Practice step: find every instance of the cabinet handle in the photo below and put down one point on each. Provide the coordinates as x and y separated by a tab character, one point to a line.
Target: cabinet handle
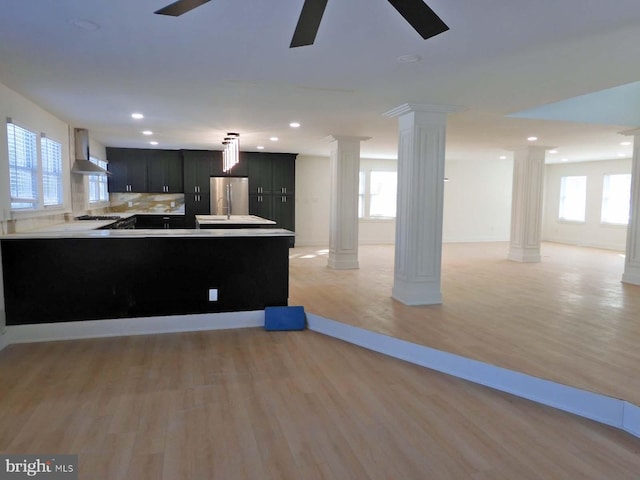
284	199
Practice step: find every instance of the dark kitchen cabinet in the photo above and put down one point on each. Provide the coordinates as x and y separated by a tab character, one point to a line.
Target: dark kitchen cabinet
199	165
128	167
144	170
195	204
259	166
159	221
283	211
261	206
283	174
164	171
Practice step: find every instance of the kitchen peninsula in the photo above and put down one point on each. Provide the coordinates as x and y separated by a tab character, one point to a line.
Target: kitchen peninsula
108	274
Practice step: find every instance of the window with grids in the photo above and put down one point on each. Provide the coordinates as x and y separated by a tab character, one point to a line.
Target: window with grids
377	194
23	167
573	198
51	152
98	188
616	197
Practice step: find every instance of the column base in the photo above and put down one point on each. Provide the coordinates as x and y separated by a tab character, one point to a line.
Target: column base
631	275
416	293
343	262
524	255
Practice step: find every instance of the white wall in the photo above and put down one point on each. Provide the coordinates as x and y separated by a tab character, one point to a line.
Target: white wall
591	233
477	200
313	184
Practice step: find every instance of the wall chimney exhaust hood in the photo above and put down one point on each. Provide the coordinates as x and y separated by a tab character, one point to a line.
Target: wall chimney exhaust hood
82	164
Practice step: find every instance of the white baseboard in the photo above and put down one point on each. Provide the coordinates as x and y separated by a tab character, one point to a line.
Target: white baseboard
47	332
601	408
3	342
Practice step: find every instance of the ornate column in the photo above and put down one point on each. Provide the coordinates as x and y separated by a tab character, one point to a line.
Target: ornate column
418	249
526	204
345	177
632	258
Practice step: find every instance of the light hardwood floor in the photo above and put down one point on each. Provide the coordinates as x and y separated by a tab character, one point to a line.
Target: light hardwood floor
568	319
250	404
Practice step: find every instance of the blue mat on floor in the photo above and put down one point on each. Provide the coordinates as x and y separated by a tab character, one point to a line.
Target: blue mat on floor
284	318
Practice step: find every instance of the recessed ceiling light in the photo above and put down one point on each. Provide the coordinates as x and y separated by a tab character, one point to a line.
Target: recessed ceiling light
565	159
260	147
532	139
137	116
621	155
147	132
409	58
625	143
274	139
294	125
553	152
503	157
153	143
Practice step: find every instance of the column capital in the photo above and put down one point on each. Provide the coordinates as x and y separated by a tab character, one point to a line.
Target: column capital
422	107
346	138
630	133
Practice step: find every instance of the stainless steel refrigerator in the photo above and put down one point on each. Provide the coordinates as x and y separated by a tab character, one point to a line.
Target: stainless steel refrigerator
229	195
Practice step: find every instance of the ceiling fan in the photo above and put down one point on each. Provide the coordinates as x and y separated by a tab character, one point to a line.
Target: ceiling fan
419	15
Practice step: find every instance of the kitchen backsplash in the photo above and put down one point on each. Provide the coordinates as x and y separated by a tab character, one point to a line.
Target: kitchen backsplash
147	202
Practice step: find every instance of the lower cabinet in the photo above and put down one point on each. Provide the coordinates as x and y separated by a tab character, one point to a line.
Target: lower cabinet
158	222
279	208
195	204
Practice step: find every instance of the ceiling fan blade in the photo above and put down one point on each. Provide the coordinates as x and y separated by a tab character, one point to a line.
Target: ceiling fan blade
421	17
308	23
181	6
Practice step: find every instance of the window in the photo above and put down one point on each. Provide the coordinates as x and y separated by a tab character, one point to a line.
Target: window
51	171
573	198
98	191
23	167
377	194
383	194
616	197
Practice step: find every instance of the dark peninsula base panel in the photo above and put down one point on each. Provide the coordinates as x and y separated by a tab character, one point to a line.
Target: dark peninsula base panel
59	280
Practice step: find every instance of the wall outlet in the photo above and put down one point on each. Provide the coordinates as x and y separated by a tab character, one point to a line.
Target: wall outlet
173	204
213	294
130	204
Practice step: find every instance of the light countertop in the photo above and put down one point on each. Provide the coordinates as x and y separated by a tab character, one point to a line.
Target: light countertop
155	233
234	220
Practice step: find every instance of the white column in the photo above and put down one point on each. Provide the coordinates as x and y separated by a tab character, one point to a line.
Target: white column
632	258
345	177
526	204
418	249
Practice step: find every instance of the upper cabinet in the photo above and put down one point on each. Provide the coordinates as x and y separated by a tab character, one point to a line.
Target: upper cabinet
144	170
271	173
128	167
199	165
164	171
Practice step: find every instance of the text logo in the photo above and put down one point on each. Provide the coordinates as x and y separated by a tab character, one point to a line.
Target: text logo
41	467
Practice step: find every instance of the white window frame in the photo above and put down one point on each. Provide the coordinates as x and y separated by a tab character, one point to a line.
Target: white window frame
365	195
567	205
100	183
30	207
616	198
51	167
24	203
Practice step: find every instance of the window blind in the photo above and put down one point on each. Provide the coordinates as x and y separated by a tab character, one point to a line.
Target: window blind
23	167
51	171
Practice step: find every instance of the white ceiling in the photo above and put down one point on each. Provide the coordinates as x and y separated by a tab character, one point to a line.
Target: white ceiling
227	66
